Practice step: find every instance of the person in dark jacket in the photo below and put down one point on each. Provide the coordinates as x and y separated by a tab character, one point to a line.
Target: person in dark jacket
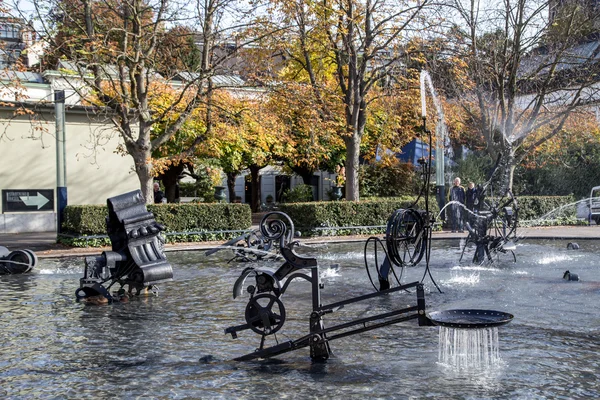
471	201
457	195
158	194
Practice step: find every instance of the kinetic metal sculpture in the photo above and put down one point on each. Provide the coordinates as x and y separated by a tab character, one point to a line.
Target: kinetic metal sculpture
17	261
492	229
265	312
407	242
259	244
137	259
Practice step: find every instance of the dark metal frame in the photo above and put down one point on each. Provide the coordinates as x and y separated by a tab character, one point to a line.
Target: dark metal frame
267	322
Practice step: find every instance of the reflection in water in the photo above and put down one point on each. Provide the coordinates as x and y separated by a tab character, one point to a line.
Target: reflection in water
173	346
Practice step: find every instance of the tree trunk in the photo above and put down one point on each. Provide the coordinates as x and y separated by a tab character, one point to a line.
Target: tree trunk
143	169
169	179
352	164
255	198
304	173
231	185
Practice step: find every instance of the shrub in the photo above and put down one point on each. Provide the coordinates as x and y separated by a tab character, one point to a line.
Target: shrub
298	194
392	178
311	218
185	217
533	208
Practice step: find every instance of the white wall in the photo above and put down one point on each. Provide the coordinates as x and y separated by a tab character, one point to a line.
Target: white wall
95	171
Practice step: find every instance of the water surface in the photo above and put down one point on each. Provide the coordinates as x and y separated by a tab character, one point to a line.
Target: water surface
173	346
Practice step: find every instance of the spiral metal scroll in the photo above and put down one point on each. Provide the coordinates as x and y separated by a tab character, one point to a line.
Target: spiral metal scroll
277	225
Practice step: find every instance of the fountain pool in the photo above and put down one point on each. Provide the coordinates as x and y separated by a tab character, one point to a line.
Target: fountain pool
173	346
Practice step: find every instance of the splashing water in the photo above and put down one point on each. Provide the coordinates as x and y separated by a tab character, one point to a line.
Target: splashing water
469	348
553	215
463	280
441	133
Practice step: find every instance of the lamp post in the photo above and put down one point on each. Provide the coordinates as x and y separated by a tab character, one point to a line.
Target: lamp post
61	165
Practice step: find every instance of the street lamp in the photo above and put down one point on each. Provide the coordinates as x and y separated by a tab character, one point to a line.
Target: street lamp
61	164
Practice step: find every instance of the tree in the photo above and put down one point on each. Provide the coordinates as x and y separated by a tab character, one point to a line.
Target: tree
359	44
114	51
314	142
568	163
526	73
246	135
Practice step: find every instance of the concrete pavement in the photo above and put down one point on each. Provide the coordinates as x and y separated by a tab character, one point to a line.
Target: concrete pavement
45	246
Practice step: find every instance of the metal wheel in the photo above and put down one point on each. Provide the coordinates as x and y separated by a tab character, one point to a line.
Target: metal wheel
405	237
265	314
505	214
501	220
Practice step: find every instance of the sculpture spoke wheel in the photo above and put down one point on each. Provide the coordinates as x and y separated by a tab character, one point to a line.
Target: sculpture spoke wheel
505	214
405	237
494	227
265	314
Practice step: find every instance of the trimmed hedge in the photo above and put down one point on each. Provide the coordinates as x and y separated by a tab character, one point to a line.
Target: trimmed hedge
314	217
191	222
188	220
532	208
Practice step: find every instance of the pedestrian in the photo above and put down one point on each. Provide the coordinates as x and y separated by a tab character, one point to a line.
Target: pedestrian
457	196
158	194
471	197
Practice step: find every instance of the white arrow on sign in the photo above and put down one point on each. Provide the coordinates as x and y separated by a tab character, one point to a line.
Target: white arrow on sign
40	200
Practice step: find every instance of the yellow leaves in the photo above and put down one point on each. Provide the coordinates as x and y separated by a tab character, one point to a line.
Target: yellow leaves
161	165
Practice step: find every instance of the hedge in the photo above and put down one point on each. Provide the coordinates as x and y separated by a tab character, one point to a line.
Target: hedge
192	222
183	222
535	208
322	218
318	218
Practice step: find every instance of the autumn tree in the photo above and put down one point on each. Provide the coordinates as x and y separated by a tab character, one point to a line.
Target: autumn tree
115	50
246	135
526	72
314	142
358	44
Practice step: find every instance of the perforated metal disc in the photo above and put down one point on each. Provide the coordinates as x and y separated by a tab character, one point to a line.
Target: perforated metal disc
470	318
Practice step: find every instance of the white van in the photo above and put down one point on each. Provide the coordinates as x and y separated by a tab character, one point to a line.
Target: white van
595	205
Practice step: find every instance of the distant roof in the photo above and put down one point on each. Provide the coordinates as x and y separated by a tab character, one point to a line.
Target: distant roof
573	57
32	77
218	80
108	69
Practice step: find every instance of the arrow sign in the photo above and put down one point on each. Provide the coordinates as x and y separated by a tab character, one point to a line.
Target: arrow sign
27	200
38	200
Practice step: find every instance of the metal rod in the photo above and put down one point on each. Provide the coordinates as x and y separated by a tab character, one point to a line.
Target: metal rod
368	296
371	327
369	319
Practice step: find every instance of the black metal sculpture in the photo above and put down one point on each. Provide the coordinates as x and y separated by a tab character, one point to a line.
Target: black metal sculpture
493	229
265	313
137	259
17	261
259	245
407	238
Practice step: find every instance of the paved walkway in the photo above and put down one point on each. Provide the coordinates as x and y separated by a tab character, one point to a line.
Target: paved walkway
45	246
